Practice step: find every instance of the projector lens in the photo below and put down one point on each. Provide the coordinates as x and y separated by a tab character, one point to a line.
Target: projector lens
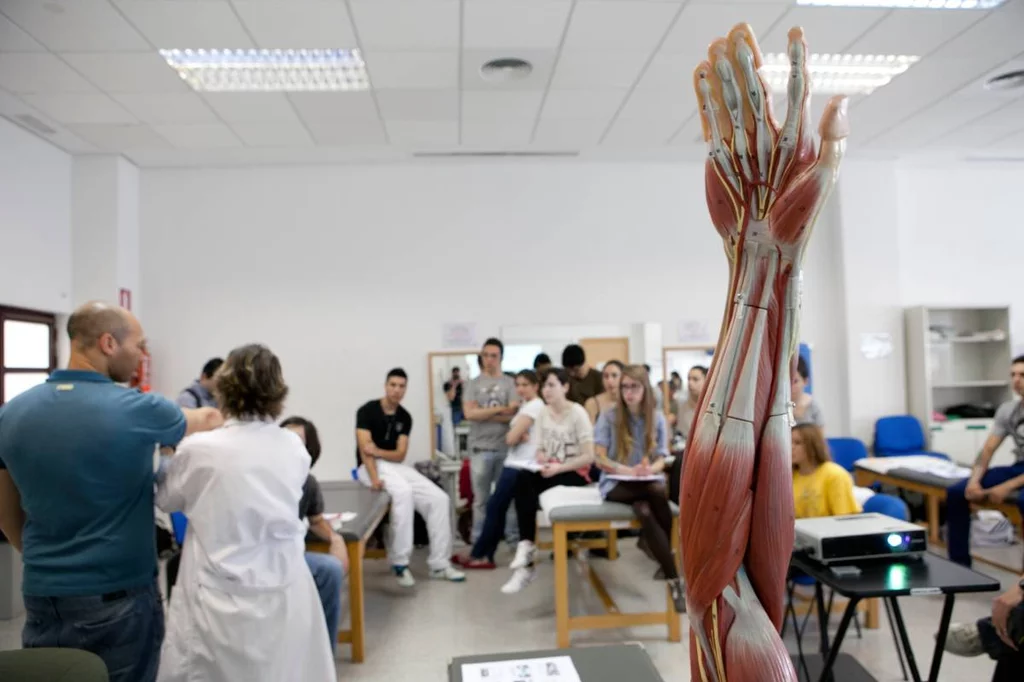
894	540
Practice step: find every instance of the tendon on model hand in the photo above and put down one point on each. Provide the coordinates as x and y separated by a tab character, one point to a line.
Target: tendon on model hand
765	187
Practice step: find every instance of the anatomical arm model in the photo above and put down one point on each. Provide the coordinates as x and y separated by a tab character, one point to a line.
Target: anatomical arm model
765	187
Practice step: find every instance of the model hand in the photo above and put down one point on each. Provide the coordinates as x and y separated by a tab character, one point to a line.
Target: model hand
763	181
999	493
974	492
1001	608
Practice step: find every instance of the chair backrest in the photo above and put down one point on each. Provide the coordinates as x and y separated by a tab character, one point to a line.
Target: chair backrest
180	523
898	435
887	505
846	451
355	473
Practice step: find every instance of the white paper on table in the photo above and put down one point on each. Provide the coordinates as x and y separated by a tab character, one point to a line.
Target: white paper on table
336	521
554	669
626	477
532	465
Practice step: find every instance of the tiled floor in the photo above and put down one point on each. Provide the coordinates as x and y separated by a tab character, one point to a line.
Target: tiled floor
412	634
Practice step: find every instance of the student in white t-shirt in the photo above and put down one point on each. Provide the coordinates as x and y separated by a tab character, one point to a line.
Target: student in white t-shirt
522	440
565	452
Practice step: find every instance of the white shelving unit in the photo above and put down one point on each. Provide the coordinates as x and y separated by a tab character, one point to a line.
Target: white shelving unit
958	356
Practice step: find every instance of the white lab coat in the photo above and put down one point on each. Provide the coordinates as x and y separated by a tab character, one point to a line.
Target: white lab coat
245	606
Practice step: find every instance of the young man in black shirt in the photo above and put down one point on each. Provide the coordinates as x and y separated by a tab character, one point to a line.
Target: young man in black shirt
382	442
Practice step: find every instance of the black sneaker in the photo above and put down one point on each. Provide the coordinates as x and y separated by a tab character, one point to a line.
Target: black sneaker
678	592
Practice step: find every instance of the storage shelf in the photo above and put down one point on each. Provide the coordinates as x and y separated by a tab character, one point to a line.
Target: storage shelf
973	384
965	339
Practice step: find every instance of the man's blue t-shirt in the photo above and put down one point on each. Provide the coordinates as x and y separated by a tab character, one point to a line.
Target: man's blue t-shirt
79	448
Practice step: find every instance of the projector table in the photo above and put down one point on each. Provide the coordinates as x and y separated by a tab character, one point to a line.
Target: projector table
887	579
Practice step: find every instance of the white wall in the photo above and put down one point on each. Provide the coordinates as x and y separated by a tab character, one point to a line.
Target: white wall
35	222
348	271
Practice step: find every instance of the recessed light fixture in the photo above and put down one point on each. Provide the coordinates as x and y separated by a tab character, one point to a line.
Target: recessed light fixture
506	69
1011	80
850	74
906	4
269	70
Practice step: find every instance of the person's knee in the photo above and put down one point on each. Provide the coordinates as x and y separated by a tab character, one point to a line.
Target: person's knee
642	509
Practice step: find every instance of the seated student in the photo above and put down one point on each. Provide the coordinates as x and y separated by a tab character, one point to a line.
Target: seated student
805	409
1000	635
989	484
382	441
541	364
820	486
631	439
522	441
610	376
246	607
684	405
328	569
565	448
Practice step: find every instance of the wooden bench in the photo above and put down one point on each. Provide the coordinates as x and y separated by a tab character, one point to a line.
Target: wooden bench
606	517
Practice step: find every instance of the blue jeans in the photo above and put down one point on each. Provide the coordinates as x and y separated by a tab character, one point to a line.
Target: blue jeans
329	578
124	628
485	469
497	510
958	510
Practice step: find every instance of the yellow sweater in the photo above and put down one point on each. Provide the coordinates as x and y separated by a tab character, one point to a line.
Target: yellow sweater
826	492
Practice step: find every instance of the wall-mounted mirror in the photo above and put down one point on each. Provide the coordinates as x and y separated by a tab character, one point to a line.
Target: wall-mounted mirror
679	390
448	370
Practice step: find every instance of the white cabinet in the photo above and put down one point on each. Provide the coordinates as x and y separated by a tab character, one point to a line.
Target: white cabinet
962	439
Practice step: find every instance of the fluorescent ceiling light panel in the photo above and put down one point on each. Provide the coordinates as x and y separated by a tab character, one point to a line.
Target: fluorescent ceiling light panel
269	70
906	4
849	74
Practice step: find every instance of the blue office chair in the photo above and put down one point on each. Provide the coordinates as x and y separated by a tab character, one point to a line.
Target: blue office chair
355	473
179	522
901	435
846	451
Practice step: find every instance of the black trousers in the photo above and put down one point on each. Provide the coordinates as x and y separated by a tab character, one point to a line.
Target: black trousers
529	486
650	504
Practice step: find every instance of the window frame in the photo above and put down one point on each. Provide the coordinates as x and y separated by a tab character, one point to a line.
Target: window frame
25	315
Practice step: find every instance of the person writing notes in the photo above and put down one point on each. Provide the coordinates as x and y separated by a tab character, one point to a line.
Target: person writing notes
246	606
631	441
820	486
76	496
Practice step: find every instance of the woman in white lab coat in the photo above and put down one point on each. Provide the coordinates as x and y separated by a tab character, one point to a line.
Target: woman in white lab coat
245	606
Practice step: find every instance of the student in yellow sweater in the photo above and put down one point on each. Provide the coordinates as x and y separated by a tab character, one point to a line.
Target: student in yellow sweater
820	486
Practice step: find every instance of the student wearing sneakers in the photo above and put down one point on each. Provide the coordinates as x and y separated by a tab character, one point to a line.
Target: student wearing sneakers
200	392
382	441
565	451
1000	635
522	440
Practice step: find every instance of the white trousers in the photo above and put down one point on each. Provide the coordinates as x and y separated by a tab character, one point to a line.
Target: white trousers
412	491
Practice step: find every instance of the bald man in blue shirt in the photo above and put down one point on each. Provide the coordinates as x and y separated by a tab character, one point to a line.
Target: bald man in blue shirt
76	496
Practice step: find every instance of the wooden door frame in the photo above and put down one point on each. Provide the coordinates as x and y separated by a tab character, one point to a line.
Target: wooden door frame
581	342
430	387
666	402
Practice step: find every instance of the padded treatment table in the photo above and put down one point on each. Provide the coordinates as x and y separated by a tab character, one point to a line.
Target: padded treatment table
609	663
370	507
52	665
597	515
933	488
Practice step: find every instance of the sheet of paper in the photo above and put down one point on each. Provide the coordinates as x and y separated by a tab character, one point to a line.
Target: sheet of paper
622	477
554	669
528	466
338	520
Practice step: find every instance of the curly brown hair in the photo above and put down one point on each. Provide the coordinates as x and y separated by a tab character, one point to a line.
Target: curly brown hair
250	385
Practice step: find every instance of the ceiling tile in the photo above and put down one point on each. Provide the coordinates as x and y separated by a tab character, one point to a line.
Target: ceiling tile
586	69
423	25
423	133
199	136
487	106
413	69
334	106
832	30
916	33
936	122
676	105
74	24
118	138
991	128
627	132
1014	141
273	134
419	105
252	107
569	133
541	60
582	103
144	72
24	72
80	108
690	133
514	23
356	132
700	23
619	24
13	39
996	36
196	25
670	71
497	134
297	24
183	107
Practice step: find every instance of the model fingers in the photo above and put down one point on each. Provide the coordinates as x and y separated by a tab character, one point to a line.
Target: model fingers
733	97
795	139
715	118
834	129
746	57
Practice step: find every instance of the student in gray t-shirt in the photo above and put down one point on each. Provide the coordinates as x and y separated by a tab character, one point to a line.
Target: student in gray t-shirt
489	402
991	485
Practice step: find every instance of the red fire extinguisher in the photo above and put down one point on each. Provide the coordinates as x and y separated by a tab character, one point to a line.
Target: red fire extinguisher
141	378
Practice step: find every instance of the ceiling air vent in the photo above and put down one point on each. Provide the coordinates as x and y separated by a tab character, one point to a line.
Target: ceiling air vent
1011	80
436	155
32	123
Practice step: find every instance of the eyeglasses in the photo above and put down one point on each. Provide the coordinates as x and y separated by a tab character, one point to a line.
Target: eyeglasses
629	388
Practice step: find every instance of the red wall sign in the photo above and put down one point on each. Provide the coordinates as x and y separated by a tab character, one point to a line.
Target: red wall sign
124	299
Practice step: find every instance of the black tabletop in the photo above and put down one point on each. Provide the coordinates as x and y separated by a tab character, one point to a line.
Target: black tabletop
931	574
369	506
611	663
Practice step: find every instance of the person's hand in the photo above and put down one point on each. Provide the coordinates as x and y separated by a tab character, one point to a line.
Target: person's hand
974	492
643	468
999	493
607	466
1001	608
339	551
210	417
525	437
542	456
377	484
371	450
550	469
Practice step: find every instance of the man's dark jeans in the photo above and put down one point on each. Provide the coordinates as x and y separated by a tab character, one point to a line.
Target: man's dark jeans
1011	663
124	628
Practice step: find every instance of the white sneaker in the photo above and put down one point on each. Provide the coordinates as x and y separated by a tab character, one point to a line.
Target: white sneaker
448	573
524	555
521	577
963	639
404	576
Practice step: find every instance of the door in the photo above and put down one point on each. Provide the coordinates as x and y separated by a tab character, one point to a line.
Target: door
600	351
